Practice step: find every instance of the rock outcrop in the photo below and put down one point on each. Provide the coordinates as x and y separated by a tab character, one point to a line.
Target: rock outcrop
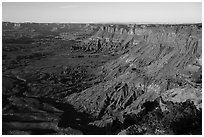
114	38
162	65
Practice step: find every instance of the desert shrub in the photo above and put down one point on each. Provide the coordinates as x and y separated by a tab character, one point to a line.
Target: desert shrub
183	118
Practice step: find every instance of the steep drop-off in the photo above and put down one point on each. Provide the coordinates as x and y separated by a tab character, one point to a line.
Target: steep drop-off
160	72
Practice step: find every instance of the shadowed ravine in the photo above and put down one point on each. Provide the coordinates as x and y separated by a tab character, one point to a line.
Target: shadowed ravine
76	120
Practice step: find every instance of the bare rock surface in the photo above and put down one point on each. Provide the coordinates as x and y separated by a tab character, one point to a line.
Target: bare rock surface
161	66
103	79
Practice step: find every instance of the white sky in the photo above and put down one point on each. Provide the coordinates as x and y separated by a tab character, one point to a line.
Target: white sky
58	12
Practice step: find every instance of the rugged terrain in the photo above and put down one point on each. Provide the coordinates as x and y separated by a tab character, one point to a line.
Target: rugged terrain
102	79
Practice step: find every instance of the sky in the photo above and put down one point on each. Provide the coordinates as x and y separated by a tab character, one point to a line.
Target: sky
116	12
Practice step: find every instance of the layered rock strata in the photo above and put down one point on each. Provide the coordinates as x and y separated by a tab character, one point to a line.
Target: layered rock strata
120	37
162	65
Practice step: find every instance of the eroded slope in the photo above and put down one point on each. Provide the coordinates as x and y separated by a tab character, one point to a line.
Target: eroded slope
162	67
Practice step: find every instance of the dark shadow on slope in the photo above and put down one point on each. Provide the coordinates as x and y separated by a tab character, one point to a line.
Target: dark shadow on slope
74	119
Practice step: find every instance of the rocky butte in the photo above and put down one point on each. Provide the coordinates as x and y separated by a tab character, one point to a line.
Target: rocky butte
155	87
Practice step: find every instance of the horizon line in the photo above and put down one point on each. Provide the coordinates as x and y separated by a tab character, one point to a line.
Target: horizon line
106	22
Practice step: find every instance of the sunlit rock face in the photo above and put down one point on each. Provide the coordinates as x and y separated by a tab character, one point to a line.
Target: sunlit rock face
162	65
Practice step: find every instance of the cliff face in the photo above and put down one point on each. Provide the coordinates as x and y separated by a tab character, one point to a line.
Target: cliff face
162	65
120	37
